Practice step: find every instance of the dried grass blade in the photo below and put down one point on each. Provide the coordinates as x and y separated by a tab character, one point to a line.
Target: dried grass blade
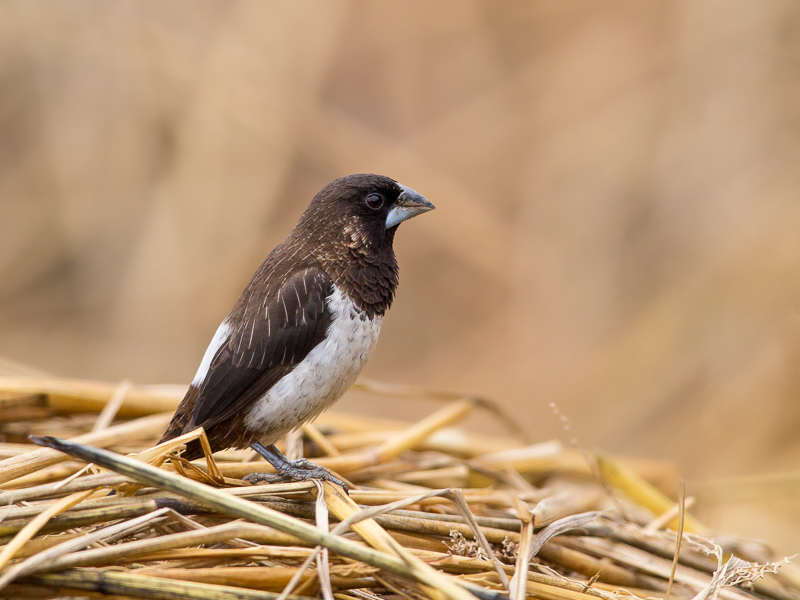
390	389
32	528
616	474
519	581
291	489
292	584
375	511
239	507
24	464
559	527
43	560
345	524
250	553
158	454
573	499
458	499
344	507
142	586
434	582
419	431
649	564
323	566
210	535
681	515
48	490
663	520
73	477
112	406
549	592
76	395
315	435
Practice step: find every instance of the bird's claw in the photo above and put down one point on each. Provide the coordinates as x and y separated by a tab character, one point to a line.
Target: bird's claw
297	470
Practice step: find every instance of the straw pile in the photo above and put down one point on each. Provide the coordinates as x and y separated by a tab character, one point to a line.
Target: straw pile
433	512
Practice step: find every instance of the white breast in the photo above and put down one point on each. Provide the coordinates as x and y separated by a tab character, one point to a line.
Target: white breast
323	376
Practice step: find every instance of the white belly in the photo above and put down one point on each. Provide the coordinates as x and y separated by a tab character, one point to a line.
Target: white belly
322	377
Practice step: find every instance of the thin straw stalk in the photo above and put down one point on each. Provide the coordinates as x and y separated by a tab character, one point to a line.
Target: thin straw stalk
244	509
81	396
618	475
140	586
139	549
24	464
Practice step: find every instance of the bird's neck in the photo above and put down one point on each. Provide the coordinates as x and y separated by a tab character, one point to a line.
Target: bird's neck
361	263
370	279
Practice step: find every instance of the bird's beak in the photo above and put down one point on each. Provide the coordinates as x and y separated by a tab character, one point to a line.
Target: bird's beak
409	204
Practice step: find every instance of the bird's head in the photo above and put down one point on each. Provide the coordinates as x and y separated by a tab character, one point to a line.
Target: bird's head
363	211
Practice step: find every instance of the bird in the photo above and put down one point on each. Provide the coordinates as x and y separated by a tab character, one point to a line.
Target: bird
303	327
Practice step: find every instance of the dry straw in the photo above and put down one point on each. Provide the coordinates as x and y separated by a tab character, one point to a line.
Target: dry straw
434	512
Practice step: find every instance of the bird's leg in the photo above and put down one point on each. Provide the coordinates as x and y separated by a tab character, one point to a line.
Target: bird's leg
291	470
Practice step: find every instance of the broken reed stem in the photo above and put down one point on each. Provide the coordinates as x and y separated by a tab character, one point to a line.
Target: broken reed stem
141	548
555	553
436	585
33	526
407	439
405	523
45	558
112	407
347	463
141	586
518	586
82	518
271	578
323	564
24	464
458	499
48	474
116	507
81	396
48	490
241	508
641	492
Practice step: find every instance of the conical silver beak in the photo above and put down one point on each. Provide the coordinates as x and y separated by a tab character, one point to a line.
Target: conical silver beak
409	204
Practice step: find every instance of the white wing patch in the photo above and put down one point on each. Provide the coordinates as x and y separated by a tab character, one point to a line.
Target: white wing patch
220	337
324	374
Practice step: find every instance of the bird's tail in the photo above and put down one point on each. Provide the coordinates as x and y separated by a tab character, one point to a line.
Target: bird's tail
182	416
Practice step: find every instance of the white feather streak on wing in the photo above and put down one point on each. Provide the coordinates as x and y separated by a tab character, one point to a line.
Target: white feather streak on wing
220	337
322	377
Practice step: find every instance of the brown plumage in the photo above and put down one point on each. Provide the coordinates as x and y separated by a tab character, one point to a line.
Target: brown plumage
306	322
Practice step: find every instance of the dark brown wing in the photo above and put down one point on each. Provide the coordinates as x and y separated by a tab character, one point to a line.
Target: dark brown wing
272	332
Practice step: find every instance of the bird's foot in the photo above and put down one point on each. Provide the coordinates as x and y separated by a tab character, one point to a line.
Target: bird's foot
256	478
293	473
290	470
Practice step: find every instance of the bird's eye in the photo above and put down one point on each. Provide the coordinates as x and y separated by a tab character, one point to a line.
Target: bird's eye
374	201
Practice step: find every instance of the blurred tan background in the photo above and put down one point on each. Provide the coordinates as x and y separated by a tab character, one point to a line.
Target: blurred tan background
617	183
